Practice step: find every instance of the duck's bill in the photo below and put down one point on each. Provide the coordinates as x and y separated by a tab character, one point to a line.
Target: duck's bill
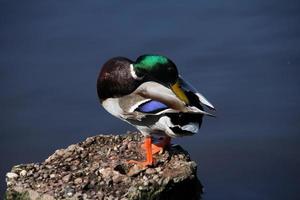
208	114
176	88
196	110
179	92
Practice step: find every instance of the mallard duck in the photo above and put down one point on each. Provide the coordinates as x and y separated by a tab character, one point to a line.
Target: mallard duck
151	95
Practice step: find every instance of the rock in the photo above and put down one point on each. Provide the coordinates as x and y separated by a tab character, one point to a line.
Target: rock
134	170
66	178
98	168
78	181
11	175
52	176
23	173
150	171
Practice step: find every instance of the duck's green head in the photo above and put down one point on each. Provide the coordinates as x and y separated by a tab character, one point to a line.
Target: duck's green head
157	68
160	69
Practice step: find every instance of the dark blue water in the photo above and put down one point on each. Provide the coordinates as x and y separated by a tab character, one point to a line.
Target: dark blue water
243	56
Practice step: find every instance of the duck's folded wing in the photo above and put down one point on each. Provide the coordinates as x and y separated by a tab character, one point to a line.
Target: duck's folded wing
136	107
155	91
160	93
152	98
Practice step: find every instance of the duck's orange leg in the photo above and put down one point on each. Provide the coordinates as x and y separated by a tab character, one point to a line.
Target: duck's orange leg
156	148
152	149
149	157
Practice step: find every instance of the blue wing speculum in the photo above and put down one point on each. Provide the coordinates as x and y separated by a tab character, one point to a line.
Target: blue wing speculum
151	106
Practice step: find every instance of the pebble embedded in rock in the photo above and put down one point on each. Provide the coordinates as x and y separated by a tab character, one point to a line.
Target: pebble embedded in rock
117	178
11	175
66	178
23	173
78	181
150	171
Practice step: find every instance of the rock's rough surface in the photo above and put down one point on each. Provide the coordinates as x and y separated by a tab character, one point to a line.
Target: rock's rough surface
97	168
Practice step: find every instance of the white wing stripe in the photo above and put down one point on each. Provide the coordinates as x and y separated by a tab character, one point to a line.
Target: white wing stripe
204	101
133	107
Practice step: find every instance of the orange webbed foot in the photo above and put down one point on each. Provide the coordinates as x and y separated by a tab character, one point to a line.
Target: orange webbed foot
150	150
